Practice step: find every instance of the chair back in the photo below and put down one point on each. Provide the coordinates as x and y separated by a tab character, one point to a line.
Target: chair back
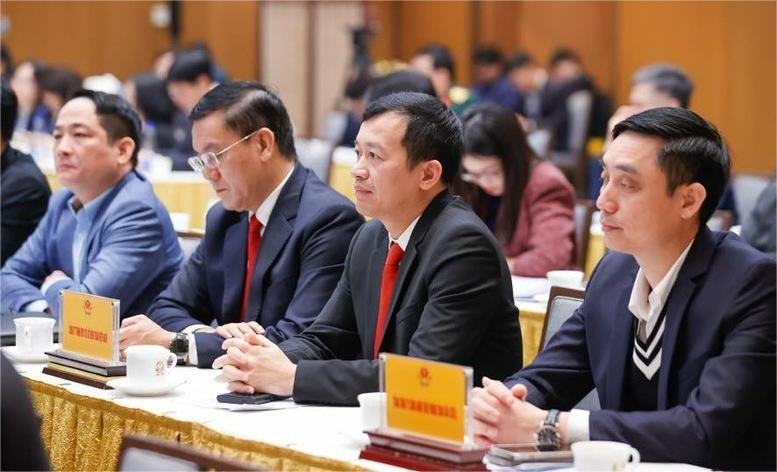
579	106
189	240
584	210
720	220
316	155
539	141
562	303
747	188
148	453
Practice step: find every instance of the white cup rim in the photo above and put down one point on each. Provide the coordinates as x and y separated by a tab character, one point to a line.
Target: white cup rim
33	320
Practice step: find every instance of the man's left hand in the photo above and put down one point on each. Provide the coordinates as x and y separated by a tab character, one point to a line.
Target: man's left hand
255	364
53	277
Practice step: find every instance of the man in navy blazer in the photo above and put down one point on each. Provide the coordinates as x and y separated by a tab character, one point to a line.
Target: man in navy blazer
677	329
106	233
244	134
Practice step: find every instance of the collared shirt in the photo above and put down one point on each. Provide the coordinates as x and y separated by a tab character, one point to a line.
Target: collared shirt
84	216
404	238
263	215
646	306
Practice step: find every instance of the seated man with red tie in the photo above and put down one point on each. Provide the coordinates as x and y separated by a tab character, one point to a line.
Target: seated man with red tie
425	277
274	245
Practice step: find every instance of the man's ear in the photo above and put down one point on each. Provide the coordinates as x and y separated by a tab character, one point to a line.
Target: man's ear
125	146
431	173
692	198
265	140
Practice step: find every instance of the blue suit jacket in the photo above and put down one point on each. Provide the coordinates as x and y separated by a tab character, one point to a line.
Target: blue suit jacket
300	261
716	384
131	252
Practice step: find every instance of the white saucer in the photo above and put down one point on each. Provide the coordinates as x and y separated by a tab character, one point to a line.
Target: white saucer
541	297
124	385
15	354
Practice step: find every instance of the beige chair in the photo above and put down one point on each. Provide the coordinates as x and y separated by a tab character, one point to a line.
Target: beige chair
148	453
562	303
189	240
316	155
584	210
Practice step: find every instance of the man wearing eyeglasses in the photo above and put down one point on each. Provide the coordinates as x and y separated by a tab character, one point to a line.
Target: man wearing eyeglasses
274	246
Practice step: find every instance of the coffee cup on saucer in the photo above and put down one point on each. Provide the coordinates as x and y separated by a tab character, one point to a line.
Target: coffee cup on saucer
603	455
34	335
372	405
147	364
566	278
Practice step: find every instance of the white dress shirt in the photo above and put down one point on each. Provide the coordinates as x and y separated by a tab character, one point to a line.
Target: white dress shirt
646	305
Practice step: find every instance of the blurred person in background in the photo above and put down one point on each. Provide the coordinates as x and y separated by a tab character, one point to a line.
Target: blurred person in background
33	114
491	84
188	79
148	94
24	191
567	76
760	228
436	62
528	78
400	81
525	201
355	92
6	63
57	86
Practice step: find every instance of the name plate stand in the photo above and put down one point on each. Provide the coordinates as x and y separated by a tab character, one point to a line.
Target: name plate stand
89	333
426	424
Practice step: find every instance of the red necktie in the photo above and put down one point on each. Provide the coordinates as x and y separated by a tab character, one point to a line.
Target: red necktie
254	241
390	270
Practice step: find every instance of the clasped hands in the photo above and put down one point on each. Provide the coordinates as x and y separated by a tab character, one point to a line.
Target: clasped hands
503	415
253	364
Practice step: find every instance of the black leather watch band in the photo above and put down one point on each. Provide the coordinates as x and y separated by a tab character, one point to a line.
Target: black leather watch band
548	437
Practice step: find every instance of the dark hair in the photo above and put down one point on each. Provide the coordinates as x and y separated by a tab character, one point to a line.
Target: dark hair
400	81
189	64
519	59
117	117
693	151
667	78
433	131
60	81
487	55
441	57
9	110
249	106
152	98
564	54
492	130
358	83
7	59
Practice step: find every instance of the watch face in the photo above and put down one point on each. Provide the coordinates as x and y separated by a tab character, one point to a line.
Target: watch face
548	439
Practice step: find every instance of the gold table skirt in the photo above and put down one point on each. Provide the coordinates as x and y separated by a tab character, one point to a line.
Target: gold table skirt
84	433
531	332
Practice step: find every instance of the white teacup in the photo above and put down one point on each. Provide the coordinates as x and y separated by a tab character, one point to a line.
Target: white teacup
372	405
603	455
566	278
34	335
149	363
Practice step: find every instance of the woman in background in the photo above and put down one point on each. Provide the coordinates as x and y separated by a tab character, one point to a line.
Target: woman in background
526	201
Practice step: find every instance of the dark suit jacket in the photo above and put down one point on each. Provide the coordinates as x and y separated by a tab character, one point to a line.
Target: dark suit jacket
716	384
300	260
452	302
24	196
21	442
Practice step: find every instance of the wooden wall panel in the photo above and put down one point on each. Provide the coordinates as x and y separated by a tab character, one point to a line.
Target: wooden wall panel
90	37
230	29
497	25
729	50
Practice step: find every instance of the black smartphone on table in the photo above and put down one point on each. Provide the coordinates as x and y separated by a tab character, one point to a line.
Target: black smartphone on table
249	399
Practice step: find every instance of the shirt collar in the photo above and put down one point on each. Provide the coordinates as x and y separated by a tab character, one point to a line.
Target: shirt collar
89	209
265	209
646	304
404	238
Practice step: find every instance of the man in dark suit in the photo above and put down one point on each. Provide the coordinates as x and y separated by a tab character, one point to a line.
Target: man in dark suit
677	329
24	192
424	278
274	246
